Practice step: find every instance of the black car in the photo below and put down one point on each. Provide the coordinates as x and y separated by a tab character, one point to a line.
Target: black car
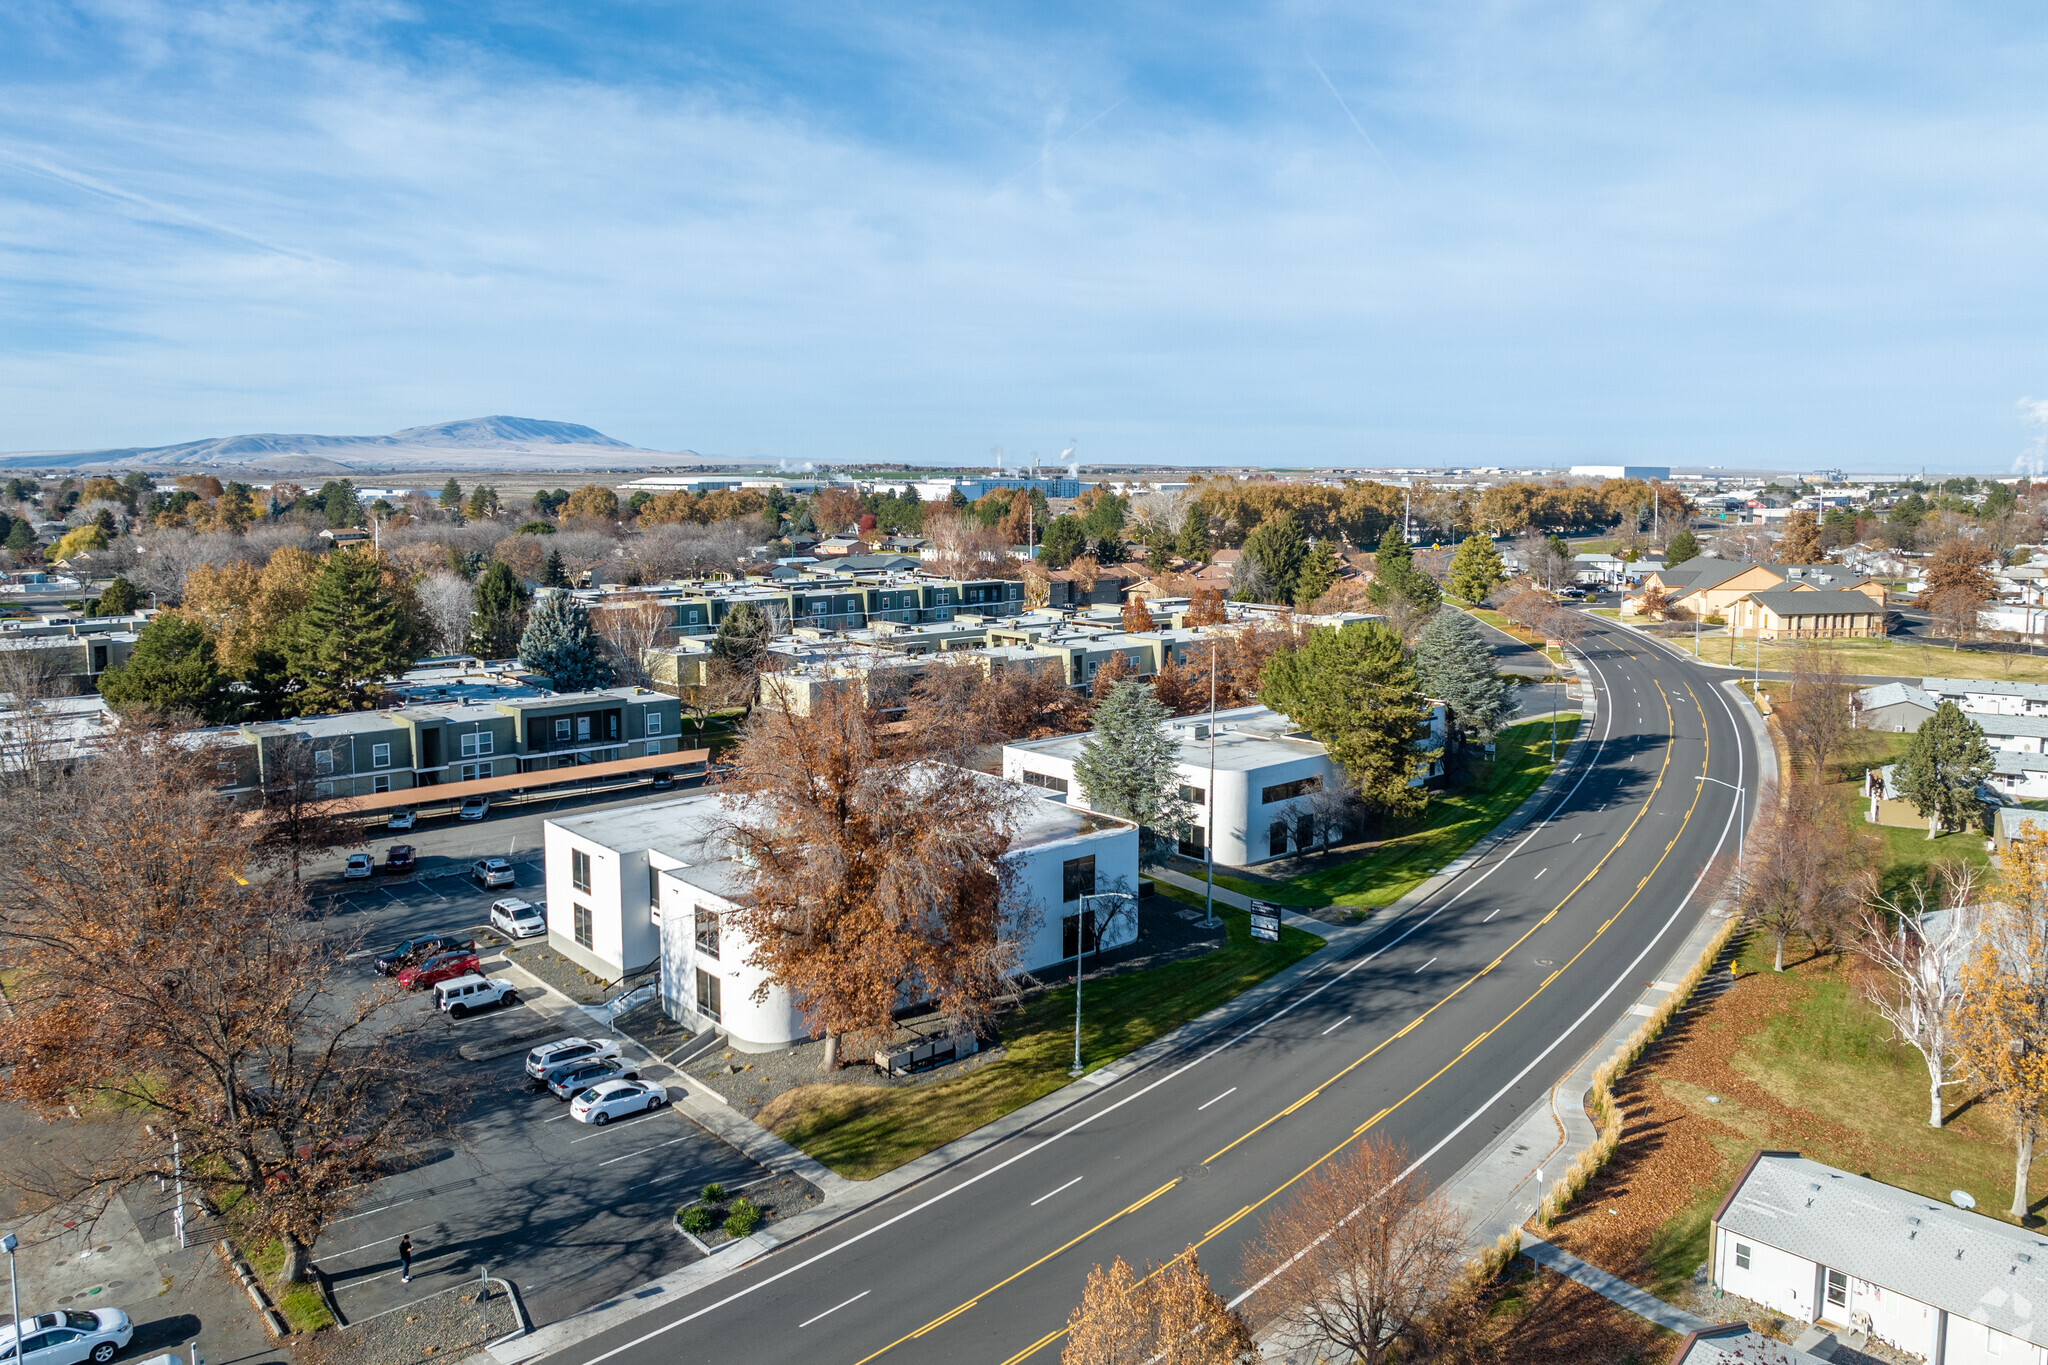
663	780
419	950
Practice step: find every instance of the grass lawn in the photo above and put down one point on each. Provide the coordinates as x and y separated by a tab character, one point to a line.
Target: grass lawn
1453	823
1513	631
1893	658
862	1131
303	1308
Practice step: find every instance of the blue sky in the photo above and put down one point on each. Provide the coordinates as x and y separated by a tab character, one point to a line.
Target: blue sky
1745	234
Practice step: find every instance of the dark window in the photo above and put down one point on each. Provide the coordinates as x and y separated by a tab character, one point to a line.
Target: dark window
707	934
1742	1256
710	998
611	725
1077	878
1276	838
583	935
1192	795
1287	791
1304	830
1191	841
1077	934
1056	785
579	869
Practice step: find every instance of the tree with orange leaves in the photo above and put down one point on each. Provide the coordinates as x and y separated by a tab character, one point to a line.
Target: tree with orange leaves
1182	688
847	904
1171	1316
2002	1020
1206	608
1111	671
1138	616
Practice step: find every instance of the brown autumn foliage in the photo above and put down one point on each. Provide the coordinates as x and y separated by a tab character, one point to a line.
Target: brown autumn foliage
1962	565
151	981
1818	716
1206	608
1138	616
1170	1316
1183	688
848	903
1358	1258
959	708
1113	670
1804	861
630	625
1243	654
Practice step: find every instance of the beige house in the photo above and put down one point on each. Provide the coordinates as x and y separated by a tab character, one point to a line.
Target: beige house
1712	587
1806	614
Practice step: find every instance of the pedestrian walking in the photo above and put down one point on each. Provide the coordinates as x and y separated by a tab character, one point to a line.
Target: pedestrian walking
405	1259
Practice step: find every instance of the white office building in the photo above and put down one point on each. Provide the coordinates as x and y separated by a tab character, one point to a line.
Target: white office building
657	883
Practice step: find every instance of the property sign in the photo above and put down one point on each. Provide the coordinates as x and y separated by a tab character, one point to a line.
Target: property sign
1266	921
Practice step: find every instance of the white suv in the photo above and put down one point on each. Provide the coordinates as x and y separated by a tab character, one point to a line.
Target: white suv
493	872
517	918
472	992
568	1050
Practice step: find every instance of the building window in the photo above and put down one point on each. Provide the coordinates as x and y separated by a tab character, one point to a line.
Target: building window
707	933
380	755
1742	1255
1194	796
477	742
710	1001
1077	878
652	746
473	772
1190	841
380	784
579	869
323	761
1056	785
582	729
1838	1289
1276	838
323	789
654	722
562	728
1077	934
1287	791
583	934
611	725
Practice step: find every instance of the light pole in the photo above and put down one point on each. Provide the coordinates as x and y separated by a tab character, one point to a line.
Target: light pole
8	1244
1741	828
1086	918
1209	802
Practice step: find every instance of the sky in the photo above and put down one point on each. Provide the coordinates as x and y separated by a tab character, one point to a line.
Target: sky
1806	235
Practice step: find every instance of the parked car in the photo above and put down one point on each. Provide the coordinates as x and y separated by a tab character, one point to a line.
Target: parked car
359	865
419	950
436	969
399	858
492	872
572	1078
663	779
600	1104
568	1050
475	808
517	918
459	996
69	1337
402	819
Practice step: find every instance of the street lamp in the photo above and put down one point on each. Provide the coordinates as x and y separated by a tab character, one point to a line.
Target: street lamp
1209	840
8	1244
1085	921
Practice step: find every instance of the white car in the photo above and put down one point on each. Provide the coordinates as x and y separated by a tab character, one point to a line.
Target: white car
462	994
491	872
359	865
568	1050
609	1100
517	918
405	817
68	1338
475	808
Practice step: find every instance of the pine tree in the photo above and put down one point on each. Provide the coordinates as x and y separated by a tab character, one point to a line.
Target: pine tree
1684	546
1061	541
1395	574
743	636
554	576
1279	549
1475	569
1943	767
119	599
1453	664
500	615
171	670
560	643
1354	690
1318	572
21	540
451	496
350	637
1130	768
1194	534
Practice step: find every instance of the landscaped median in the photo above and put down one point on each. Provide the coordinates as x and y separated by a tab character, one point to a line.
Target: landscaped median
1380	874
863	1131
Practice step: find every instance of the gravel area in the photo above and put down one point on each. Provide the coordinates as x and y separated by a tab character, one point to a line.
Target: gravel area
448	1326
550	966
777	1196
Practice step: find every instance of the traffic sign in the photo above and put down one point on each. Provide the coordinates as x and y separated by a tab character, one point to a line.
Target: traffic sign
1266	921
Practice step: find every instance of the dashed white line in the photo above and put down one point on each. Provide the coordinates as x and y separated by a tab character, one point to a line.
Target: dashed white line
1539	876
836	1307
1418	970
1224	1096
1050	1193
1580	835
1490	914
1342	1022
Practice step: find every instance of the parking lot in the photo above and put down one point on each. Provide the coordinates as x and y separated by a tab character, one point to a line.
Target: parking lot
570	1214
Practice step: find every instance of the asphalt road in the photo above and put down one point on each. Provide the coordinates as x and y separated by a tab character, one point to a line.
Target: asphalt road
1437	1032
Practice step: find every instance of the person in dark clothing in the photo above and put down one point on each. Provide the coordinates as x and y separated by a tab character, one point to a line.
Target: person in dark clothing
405	1258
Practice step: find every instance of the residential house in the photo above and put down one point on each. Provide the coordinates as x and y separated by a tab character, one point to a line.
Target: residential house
1737	1343
1984	696
1825	1246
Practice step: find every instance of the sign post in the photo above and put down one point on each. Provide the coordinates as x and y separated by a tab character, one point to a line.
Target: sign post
1266	921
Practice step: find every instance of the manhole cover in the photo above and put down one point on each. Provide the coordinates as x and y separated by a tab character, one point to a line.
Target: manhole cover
103	1249
1545	962
95	1289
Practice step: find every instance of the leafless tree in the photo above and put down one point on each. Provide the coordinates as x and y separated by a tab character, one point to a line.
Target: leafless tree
1956	613
300	815
1359	1256
630	626
1921	956
1333	807
1820	715
1804	861
449	601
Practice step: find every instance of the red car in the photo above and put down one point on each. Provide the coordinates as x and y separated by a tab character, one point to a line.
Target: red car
435	970
398	858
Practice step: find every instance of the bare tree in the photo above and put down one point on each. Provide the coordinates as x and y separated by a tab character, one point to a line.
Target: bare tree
630	626
1361	1254
1921	956
449	602
1820	714
300	815
1332	807
1956	613
1169	1317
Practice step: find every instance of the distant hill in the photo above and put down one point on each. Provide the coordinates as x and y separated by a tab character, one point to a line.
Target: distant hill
474	443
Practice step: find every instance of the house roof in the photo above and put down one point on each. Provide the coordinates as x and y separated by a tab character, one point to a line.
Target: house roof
1965	1263
1815	602
1984	687
1697	574
1737	1343
1896	694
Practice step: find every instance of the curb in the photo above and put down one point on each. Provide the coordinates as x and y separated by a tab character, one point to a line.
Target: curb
518	1311
273	1321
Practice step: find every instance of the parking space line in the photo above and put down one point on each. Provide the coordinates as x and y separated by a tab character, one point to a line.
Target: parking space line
644	1151
365	1246
613	1128
379	1209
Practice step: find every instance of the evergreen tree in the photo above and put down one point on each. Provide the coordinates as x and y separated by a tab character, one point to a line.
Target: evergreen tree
104	520
350	637
1684	546
1061	542
743	636
1453	664
338	500
451	496
1475	569
1354	690
170	671
1278	548
1943	767
1318	572
500	615
560	643
21	539
267	686
1194	533
1395	574
119	599
554	576
1129	767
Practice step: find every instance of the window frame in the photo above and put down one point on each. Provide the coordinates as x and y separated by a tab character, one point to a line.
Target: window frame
579	870
1071	873
703	943
711	996
582	927
380	755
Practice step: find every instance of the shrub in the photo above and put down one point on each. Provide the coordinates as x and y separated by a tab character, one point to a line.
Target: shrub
714	1194
744	1218
697	1220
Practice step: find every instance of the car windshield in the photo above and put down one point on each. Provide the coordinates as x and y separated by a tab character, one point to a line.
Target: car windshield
526	913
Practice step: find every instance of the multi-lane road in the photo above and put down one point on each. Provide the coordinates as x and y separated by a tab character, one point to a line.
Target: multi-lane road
1437	1031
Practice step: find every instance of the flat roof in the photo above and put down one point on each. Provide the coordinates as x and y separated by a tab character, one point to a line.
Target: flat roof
1247	738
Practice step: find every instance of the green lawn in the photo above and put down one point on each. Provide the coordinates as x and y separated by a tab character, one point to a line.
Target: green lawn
300	1303
863	1131
1455	821
1513	631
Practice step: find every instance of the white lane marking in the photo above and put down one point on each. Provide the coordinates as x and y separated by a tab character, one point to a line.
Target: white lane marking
379	1209
836	1307
364	1247
1224	1096
613	1127
1418	970
1131	1096
1050	1193
1347	1018
1539	876
1580	835
1490	914
645	1150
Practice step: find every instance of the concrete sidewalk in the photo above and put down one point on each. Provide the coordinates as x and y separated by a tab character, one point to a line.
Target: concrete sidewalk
1612	1288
